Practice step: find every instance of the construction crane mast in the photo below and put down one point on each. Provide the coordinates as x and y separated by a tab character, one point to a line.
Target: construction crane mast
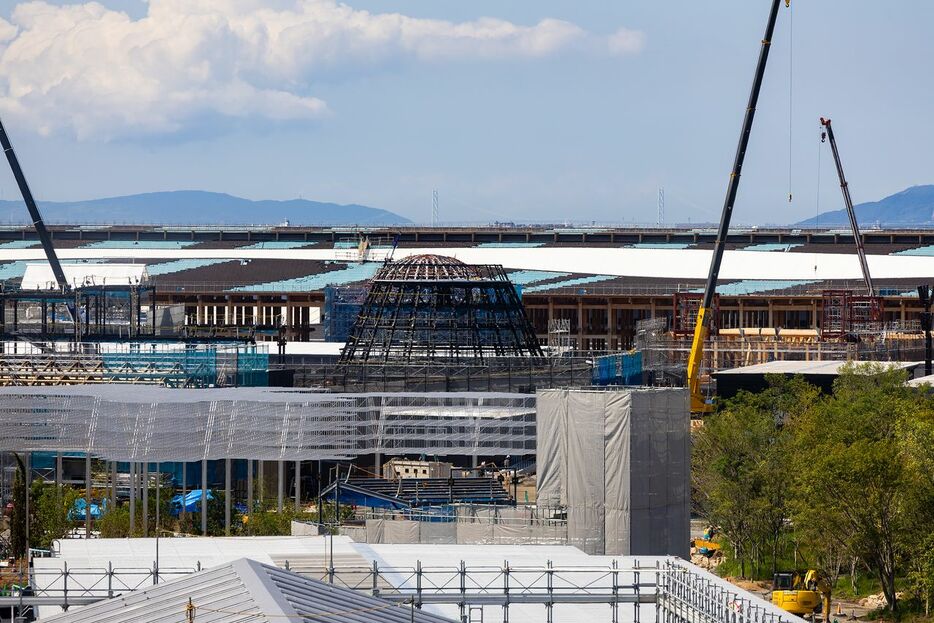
845	187
701	328
34	214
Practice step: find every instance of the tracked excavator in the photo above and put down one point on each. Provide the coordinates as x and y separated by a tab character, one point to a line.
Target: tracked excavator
801	593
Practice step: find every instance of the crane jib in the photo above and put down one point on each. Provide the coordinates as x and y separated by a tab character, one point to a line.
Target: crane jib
703	317
44	238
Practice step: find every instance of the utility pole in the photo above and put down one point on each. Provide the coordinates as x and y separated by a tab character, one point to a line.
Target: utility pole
434	208
661	206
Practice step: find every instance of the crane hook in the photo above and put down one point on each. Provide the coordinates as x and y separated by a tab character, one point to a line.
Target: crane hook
787	4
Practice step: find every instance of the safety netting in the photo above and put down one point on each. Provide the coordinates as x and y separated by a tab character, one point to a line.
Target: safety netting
147	423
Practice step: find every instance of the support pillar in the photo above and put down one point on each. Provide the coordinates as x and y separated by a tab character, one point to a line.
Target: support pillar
132	498
184	512
113	484
158	493
204	497
261	494
58	472
298	486
28	475
227	497
146	499
87	493
249	490
281	486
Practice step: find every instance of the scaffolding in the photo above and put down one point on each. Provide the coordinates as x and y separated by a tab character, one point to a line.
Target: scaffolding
342	305
504	374
687	305
179	365
428	307
157	424
560	342
627	589
846	315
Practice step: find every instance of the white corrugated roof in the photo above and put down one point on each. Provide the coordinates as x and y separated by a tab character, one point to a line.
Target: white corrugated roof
246	590
806	367
634	262
39	275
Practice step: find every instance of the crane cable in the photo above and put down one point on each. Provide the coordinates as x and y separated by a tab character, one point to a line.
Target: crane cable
791	76
820	156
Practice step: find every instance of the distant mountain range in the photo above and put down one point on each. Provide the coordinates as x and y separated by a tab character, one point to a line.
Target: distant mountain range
912	207
193	207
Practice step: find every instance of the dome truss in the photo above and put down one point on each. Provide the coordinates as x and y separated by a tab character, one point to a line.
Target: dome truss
429	307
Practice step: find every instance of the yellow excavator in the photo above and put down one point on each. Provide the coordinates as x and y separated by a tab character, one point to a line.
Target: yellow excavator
801	593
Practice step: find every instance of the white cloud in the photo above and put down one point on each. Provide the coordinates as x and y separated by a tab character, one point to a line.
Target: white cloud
97	73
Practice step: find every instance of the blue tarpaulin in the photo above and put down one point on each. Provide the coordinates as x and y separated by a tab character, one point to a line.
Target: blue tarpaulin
191	502
621	369
77	511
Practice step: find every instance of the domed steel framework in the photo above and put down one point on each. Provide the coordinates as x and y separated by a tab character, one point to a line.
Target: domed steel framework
429	307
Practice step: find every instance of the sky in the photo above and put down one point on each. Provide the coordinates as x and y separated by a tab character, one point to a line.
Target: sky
525	111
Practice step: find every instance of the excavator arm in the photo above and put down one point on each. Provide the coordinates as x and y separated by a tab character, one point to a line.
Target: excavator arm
699	404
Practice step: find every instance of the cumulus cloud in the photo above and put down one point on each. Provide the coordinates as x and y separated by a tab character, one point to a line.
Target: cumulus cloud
95	72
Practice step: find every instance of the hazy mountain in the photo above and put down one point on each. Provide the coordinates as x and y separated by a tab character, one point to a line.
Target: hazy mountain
911	207
187	207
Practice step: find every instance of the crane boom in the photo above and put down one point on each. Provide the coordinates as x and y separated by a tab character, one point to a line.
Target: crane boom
698	404
851	213
34	214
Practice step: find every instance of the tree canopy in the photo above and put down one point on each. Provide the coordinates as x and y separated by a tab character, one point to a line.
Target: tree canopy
845	477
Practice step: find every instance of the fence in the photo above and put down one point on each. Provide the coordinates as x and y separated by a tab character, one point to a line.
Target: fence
464	524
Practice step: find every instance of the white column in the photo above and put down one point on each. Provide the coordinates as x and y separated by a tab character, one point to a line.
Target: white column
298	486
227	497
281	485
204	497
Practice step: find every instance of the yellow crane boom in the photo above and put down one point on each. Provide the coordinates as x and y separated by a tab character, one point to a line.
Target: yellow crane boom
699	404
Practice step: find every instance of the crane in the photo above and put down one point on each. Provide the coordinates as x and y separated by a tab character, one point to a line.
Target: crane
44	238
827	134
701	327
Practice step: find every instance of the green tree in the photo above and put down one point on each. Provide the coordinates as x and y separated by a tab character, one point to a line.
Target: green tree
851	486
921	576
739	467
115	523
52	505
192	523
18	542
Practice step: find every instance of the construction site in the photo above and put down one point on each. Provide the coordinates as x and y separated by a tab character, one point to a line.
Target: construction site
409	423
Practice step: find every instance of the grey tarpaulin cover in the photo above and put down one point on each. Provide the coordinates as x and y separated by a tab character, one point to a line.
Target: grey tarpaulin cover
620	459
551	447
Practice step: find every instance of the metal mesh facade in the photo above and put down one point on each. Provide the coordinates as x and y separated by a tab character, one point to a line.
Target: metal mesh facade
145	423
434	307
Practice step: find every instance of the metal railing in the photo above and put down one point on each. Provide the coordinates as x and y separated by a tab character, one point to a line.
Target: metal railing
680	592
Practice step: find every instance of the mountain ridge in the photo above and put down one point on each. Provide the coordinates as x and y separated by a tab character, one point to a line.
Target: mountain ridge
913	206
198	207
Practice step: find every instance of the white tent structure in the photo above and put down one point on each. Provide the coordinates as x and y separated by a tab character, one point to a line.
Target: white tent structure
38	275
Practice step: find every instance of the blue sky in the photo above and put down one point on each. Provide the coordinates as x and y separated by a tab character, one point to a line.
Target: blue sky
575	119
